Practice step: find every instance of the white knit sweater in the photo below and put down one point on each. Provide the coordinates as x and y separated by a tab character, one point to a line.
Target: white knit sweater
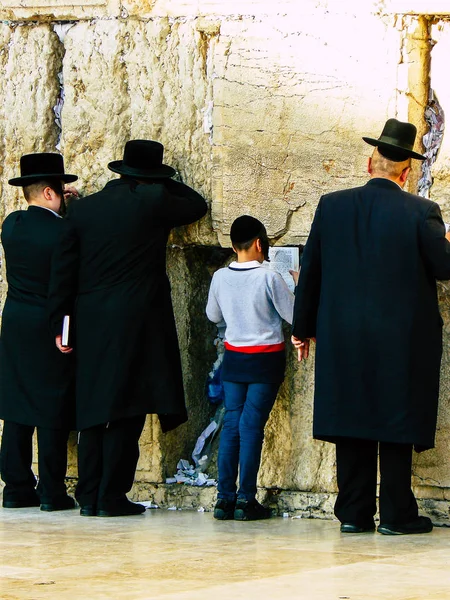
250	301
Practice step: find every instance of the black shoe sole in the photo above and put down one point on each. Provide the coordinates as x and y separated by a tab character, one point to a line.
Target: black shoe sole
14	504
222	515
388	531
119	513
348	528
88	512
239	515
55	507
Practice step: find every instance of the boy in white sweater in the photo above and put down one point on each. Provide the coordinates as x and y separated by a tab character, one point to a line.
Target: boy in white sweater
250	301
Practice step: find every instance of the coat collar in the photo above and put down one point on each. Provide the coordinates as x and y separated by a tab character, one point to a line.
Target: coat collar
34	207
116	182
384	183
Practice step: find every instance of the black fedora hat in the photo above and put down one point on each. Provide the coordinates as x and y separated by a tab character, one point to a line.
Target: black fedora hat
41	165
142	159
396	141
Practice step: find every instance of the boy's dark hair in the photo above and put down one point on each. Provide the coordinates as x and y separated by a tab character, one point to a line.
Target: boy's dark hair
37	186
245	230
244	245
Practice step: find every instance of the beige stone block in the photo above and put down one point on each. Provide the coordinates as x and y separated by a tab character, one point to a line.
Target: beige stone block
290	108
417	7
291	459
133	81
189	275
236	8
20	10
440	190
28	94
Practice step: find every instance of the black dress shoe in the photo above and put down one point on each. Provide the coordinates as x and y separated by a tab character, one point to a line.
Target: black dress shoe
124	508
354	528
224	509
251	510
22	502
88	511
418	525
64	503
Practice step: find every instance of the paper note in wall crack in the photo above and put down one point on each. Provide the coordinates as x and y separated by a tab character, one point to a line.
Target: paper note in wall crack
65	330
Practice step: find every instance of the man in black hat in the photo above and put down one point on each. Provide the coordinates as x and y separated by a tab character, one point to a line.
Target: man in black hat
128	364
367	293
36	381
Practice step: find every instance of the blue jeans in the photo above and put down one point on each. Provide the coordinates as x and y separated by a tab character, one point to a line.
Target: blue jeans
247	408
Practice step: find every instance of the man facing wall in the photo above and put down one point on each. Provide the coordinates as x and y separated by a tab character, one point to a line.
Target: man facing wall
367	292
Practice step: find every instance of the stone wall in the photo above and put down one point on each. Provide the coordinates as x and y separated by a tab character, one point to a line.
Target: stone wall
261	107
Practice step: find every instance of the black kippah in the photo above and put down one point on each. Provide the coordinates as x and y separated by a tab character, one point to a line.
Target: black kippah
244	229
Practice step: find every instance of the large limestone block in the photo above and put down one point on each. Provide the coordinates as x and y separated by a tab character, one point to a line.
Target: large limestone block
432	468
46	10
95	115
291	459
237	9
138	81
417	7
30	58
440	190
189	274
291	104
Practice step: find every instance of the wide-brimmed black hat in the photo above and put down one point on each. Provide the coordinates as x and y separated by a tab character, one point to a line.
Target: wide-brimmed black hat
396	141
41	165
142	159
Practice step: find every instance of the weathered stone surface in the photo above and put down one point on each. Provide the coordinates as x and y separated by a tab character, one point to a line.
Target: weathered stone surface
29	91
289	113
16	10
125	81
416	7
440	190
261	107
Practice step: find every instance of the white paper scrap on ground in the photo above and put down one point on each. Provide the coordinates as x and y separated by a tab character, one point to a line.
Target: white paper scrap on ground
149	504
283	259
189	475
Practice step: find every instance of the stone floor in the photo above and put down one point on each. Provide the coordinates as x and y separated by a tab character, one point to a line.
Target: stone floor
175	555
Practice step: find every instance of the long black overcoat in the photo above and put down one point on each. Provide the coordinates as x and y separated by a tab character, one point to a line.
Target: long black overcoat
36	380
367	292
112	257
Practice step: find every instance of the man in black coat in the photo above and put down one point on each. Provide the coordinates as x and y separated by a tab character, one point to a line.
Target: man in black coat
367	293
112	258
36	381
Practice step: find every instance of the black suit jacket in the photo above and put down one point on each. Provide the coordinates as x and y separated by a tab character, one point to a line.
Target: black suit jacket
112	259
367	292
36	380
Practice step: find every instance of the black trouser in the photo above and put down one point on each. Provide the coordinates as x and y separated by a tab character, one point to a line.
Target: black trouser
356	462
107	460
16	457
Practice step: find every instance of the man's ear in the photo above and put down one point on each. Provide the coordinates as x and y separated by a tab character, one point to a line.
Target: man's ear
404	174
258	245
234	249
369	165
48	193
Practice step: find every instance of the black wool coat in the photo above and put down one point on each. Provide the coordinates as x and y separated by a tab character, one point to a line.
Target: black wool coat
36	380
367	292
112	259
